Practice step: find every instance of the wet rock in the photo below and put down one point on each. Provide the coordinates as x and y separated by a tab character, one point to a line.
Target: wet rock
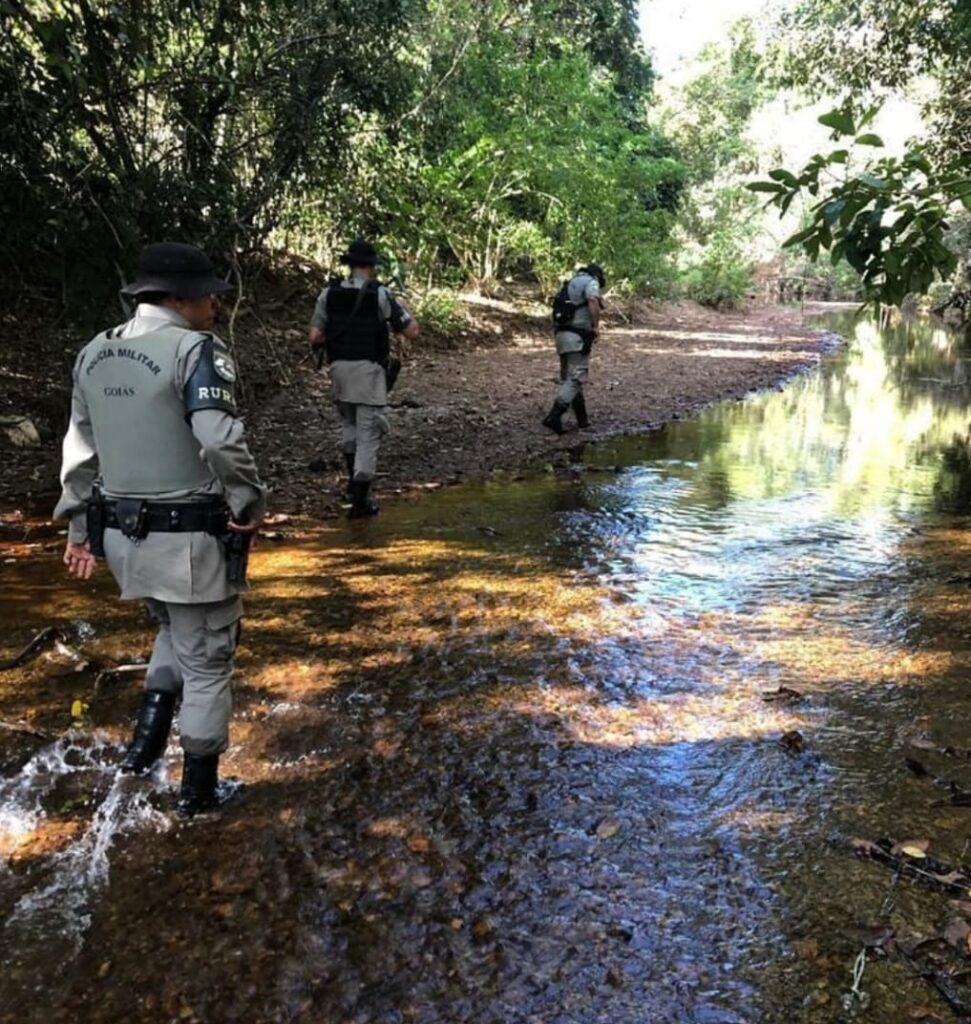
792	742
20	431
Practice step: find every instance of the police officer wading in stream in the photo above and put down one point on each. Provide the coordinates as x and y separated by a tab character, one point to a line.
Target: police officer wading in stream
158	480
352	325
576	325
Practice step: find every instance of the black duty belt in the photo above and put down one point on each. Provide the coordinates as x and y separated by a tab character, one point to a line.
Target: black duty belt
165	517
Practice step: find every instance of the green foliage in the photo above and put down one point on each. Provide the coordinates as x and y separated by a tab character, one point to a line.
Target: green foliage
889	223
718	267
708	118
435	310
128	121
472	137
712	110
859	45
887	217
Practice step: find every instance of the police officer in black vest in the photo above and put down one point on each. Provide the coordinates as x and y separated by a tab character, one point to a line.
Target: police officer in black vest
352	322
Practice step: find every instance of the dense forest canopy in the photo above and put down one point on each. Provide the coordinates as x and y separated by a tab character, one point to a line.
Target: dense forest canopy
474	135
477	140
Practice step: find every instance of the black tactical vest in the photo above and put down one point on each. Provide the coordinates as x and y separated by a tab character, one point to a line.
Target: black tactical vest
355	329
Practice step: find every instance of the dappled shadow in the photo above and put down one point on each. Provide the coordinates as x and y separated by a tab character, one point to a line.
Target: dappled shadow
509	757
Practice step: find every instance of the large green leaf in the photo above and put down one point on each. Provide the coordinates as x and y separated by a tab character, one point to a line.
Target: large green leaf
840	121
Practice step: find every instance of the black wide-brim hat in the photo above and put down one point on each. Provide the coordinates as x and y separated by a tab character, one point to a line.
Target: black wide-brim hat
175	269
360	254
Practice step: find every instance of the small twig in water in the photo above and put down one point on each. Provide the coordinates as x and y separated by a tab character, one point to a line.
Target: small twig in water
27	730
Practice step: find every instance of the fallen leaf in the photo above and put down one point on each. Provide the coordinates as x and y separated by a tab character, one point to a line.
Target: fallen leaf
607	828
916	848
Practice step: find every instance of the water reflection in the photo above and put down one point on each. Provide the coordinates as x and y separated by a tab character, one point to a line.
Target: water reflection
507	748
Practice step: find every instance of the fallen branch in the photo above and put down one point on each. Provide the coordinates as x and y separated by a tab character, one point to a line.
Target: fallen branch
43	638
27	730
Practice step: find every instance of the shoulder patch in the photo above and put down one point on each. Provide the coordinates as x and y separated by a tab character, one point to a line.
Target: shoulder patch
210	384
223	365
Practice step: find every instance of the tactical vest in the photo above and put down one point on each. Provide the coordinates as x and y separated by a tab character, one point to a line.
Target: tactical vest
145	446
355	328
581	317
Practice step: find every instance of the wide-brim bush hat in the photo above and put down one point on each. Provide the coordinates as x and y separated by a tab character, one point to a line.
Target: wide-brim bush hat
360	254
175	268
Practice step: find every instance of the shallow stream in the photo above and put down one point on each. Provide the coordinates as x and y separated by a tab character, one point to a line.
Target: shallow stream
518	751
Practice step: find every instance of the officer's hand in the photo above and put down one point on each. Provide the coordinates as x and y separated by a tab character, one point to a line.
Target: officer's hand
252	528
316	337
79	560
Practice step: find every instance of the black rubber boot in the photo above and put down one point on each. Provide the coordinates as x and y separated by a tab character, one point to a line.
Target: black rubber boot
554	418
580	411
199	778
361	504
151	732
349	462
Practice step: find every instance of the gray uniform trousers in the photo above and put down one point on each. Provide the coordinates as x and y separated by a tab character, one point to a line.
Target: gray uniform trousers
193	657
574	367
362	428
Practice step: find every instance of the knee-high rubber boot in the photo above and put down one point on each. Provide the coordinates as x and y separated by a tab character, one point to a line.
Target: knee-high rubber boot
580	411
200	774
151	732
361	504
349	462
554	418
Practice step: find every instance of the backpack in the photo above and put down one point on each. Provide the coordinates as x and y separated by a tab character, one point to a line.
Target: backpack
563	309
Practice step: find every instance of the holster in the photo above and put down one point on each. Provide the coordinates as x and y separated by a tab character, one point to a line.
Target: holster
237	547
588	338
95	517
392	368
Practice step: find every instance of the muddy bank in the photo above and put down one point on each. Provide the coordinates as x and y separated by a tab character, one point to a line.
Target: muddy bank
466	405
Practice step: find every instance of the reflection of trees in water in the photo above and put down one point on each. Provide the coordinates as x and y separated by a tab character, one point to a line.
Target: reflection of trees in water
923	353
952	485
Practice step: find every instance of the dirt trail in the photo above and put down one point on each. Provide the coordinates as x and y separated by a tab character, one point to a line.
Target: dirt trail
458	415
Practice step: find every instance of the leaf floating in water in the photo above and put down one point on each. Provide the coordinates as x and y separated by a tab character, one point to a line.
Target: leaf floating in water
913	851
607	828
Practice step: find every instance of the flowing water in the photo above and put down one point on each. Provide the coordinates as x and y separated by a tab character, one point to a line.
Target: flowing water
525	751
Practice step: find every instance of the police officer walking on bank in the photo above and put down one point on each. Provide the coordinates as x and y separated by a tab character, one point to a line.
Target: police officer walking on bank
576	325
158	480
352	323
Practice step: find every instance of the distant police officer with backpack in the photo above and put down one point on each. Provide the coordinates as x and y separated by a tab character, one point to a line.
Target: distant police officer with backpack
352	324
576	324
158	480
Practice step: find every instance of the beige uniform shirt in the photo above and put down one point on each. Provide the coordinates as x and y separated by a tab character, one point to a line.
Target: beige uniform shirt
185	568
359	381
581	289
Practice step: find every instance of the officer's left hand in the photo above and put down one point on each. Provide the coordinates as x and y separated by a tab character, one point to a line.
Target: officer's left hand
79	560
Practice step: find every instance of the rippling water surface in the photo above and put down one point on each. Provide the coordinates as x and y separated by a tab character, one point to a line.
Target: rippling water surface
509	749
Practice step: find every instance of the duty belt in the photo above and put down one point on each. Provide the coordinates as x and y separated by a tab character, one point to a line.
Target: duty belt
137	518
